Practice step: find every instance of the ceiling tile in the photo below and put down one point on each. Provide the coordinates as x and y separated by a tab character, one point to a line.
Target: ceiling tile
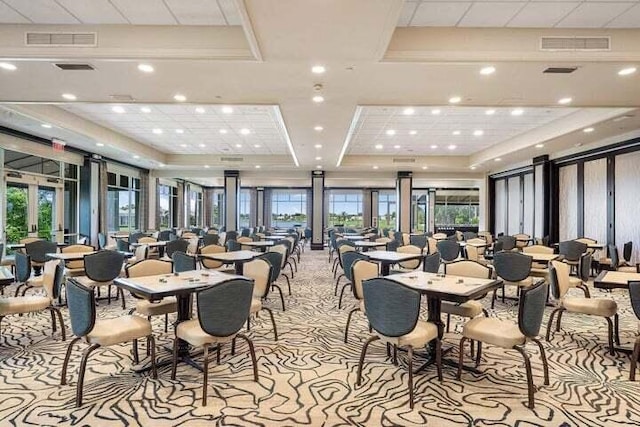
196	12
10	16
628	19
145	12
542	15
408	9
593	15
490	14
230	11
439	14
43	11
93	12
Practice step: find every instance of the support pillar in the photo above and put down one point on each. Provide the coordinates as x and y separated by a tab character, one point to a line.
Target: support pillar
232	199
260	221
403	200
317	217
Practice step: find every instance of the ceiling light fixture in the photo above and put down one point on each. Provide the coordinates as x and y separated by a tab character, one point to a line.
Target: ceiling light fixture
161	165
318	99
318	128
434	146
413	132
627	71
179	97
425	167
455	100
396	147
8	66
472	168
69	96
257	166
257	145
200	110
318	69
245	131
564	101
452	147
497	159
201	145
319	167
318	158
588	130
318	146
179	130
157	131
539	145
118	109
207	166
490	112
435	111
379	146
223	131
145	109
456	132
375	167
146	68
517	112
390	132
238	145
136	157
485	71
227	110
46	125
99	144
478	132
408	111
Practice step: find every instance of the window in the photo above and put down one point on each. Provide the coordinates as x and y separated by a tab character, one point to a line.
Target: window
387	208
420	209
245	208
217	210
195	208
123	199
168	200
288	208
457	208
345	208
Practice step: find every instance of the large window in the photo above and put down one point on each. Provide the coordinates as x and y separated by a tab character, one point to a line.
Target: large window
288	208
345	208
457	208
217	210
245	208
387	208
168	200
420	209
195	208
123	199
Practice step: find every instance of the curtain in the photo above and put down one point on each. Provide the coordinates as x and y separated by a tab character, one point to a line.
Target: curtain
181	205
102	197
144	200
157	215
207	201
268	194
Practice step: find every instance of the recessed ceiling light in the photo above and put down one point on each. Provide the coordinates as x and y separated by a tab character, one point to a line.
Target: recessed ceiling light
145	109
452	147
318	128
472	168
245	131
539	145
223	131
319	167
517	112
435	111
627	71
318	146
408	111
565	100
157	131
413	132
318	69
456	132
454	99
257	145
318	158
200	110
118	109
227	110
375	167
161	165
318	98
396	147
497	159
206	166
478	132
179	97
201	145
434	146
8	66
46	125
425	167
485	71
238	145
588	130
379	146
490	112
145	68
99	144
257	166
390	132
69	96
136	157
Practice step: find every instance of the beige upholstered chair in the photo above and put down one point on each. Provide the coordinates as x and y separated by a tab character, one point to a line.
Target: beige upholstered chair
153	267
602	307
245	240
188	235
439	236
360	270
152	252
194	242
476	253
522	240
486	236
432	244
260	271
538	269
75	267
459	235
469	309
410	264
142	252
208	262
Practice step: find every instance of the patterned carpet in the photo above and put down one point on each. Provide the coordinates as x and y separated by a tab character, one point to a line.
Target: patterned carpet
308	376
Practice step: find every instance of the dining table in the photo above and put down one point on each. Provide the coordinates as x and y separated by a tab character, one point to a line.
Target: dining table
6	277
388	258
238	258
17	246
541	257
365	245
261	245
76	256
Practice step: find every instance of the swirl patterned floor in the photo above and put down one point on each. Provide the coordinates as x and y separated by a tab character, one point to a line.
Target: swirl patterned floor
308	376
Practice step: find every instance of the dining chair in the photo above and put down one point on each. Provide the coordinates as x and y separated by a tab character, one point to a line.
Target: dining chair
283	250
348	258
342	247
538	269
559	274
468	235
232	245
571	250
101	332
22	275
411	264
275	259
222	311
177	245
506	334
165	235
38	251
245	239
231	235
613	262
508	242
210	239
472	308
393	312
141	252
260	271
522	240
432	245
183	262
208	262
361	270
582	278
431	263
144	307
419	241
102	268
52	274
514	269
75	267
449	250
634	296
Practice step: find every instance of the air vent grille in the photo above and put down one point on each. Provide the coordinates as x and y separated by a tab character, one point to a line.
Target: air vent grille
405	160
61	39
75	67
560	70
231	159
575	43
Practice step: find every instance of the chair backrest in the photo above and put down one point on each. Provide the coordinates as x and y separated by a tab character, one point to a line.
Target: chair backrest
122	245
164	235
486	236
245	232
432	244
522	239
259	270
82	307
468	235
419	241
559	278
134	237
348	258
498	246
275	259
49	272
23	267
572	250
183	262
431	263
210	239
103	266
393	245
233	245
439	236
142	252
612	251
449	249
508	242
531	308
283	250
148	267
39	249
362	270
392	308
472	252
147	239
468	268
193	243
537	249
211	249
188	235
224	308
413	263
178	245
634	295
102	241
231	235
584	266
627	249
76	249
512	266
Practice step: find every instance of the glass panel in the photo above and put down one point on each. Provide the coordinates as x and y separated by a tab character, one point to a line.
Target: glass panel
568	206
500	206
46	212
245	208
70	207
420	208
528	204
345	208
288	208
34	164
164	200
459	208
17	213
387	209
217	211
515	202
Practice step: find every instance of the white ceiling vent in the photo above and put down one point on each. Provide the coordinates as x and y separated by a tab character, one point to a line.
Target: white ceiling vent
60	39
405	160
564	44
232	159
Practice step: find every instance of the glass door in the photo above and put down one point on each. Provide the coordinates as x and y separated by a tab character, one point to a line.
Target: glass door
46	213
420	206
17	213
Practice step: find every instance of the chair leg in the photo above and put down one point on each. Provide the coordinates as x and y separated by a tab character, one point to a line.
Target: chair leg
460	357
616	328
253	356
83	367
62	329
610	335
362	354
136	357
151	343
174	359
233	347
472	349
559	320
166	322
288	283
527	365
273	322
439	358
65	364
410	363
346	328
121	293
493	300
634	360
550	322
479	354
395	355
109	294
585	289
205	374
281	296
342	294
448	321
543	356
335	291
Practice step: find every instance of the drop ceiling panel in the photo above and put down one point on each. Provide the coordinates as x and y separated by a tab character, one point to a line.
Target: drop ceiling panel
438	129
197	12
594	15
439	14
490	14
94	11
143	12
629	19
10	16
541	15
42	11
408	9
231	12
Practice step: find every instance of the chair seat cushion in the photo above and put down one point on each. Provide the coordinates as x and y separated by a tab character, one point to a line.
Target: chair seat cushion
156	308
28	304
575	282
539	272
74	272
119	330
256	305
191	332
419	337
605	261
468	309
8	260
593	306
523	283
501	333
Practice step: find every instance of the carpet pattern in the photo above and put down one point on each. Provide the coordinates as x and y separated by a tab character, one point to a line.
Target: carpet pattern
308	376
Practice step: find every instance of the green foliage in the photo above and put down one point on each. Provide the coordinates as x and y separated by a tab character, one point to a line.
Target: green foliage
16	214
